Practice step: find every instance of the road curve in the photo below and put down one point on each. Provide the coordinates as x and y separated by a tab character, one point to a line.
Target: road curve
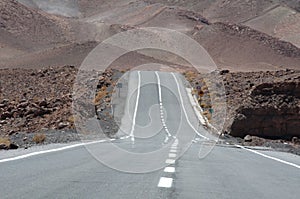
160	105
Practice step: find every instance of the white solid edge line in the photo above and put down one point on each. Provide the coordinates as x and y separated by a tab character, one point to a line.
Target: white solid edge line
49	151
181	100
165	182
159	88
267	156
136	106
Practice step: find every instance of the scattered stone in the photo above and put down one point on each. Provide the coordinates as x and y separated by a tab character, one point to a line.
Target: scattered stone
62	125
295	140
5	101
2	122
5	115
13	146
39	104
43	103
23	105
3	147
23	100
223	72
248	138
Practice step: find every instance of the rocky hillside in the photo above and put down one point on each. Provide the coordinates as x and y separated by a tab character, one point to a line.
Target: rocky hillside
41	103
31	100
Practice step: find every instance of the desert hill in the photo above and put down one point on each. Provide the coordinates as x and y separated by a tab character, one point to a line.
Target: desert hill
33	36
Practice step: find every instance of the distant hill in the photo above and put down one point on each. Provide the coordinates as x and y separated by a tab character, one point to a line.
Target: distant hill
33	28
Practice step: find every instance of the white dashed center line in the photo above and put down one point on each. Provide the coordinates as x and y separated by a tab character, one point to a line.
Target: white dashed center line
170	161
165	182
172	155
161	109
169	169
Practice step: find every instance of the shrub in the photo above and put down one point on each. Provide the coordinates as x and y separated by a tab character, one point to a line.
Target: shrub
204	105
39	138
207	114
71	119
100	95
194	92
190	75
5	141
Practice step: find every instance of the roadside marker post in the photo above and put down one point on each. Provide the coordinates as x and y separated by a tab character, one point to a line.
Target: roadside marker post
119	86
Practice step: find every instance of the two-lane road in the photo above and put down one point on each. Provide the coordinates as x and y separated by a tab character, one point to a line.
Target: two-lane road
159	120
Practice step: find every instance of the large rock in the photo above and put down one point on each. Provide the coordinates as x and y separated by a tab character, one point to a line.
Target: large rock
13	146
6	115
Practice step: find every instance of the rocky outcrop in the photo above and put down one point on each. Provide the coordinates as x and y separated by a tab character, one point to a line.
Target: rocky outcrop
265	104
194	16
271	111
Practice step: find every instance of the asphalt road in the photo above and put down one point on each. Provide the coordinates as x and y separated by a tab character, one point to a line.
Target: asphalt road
160	138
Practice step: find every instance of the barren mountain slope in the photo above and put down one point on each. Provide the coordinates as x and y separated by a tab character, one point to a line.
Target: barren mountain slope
281	22
35	29
228	10
68	8
240	48
30	37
